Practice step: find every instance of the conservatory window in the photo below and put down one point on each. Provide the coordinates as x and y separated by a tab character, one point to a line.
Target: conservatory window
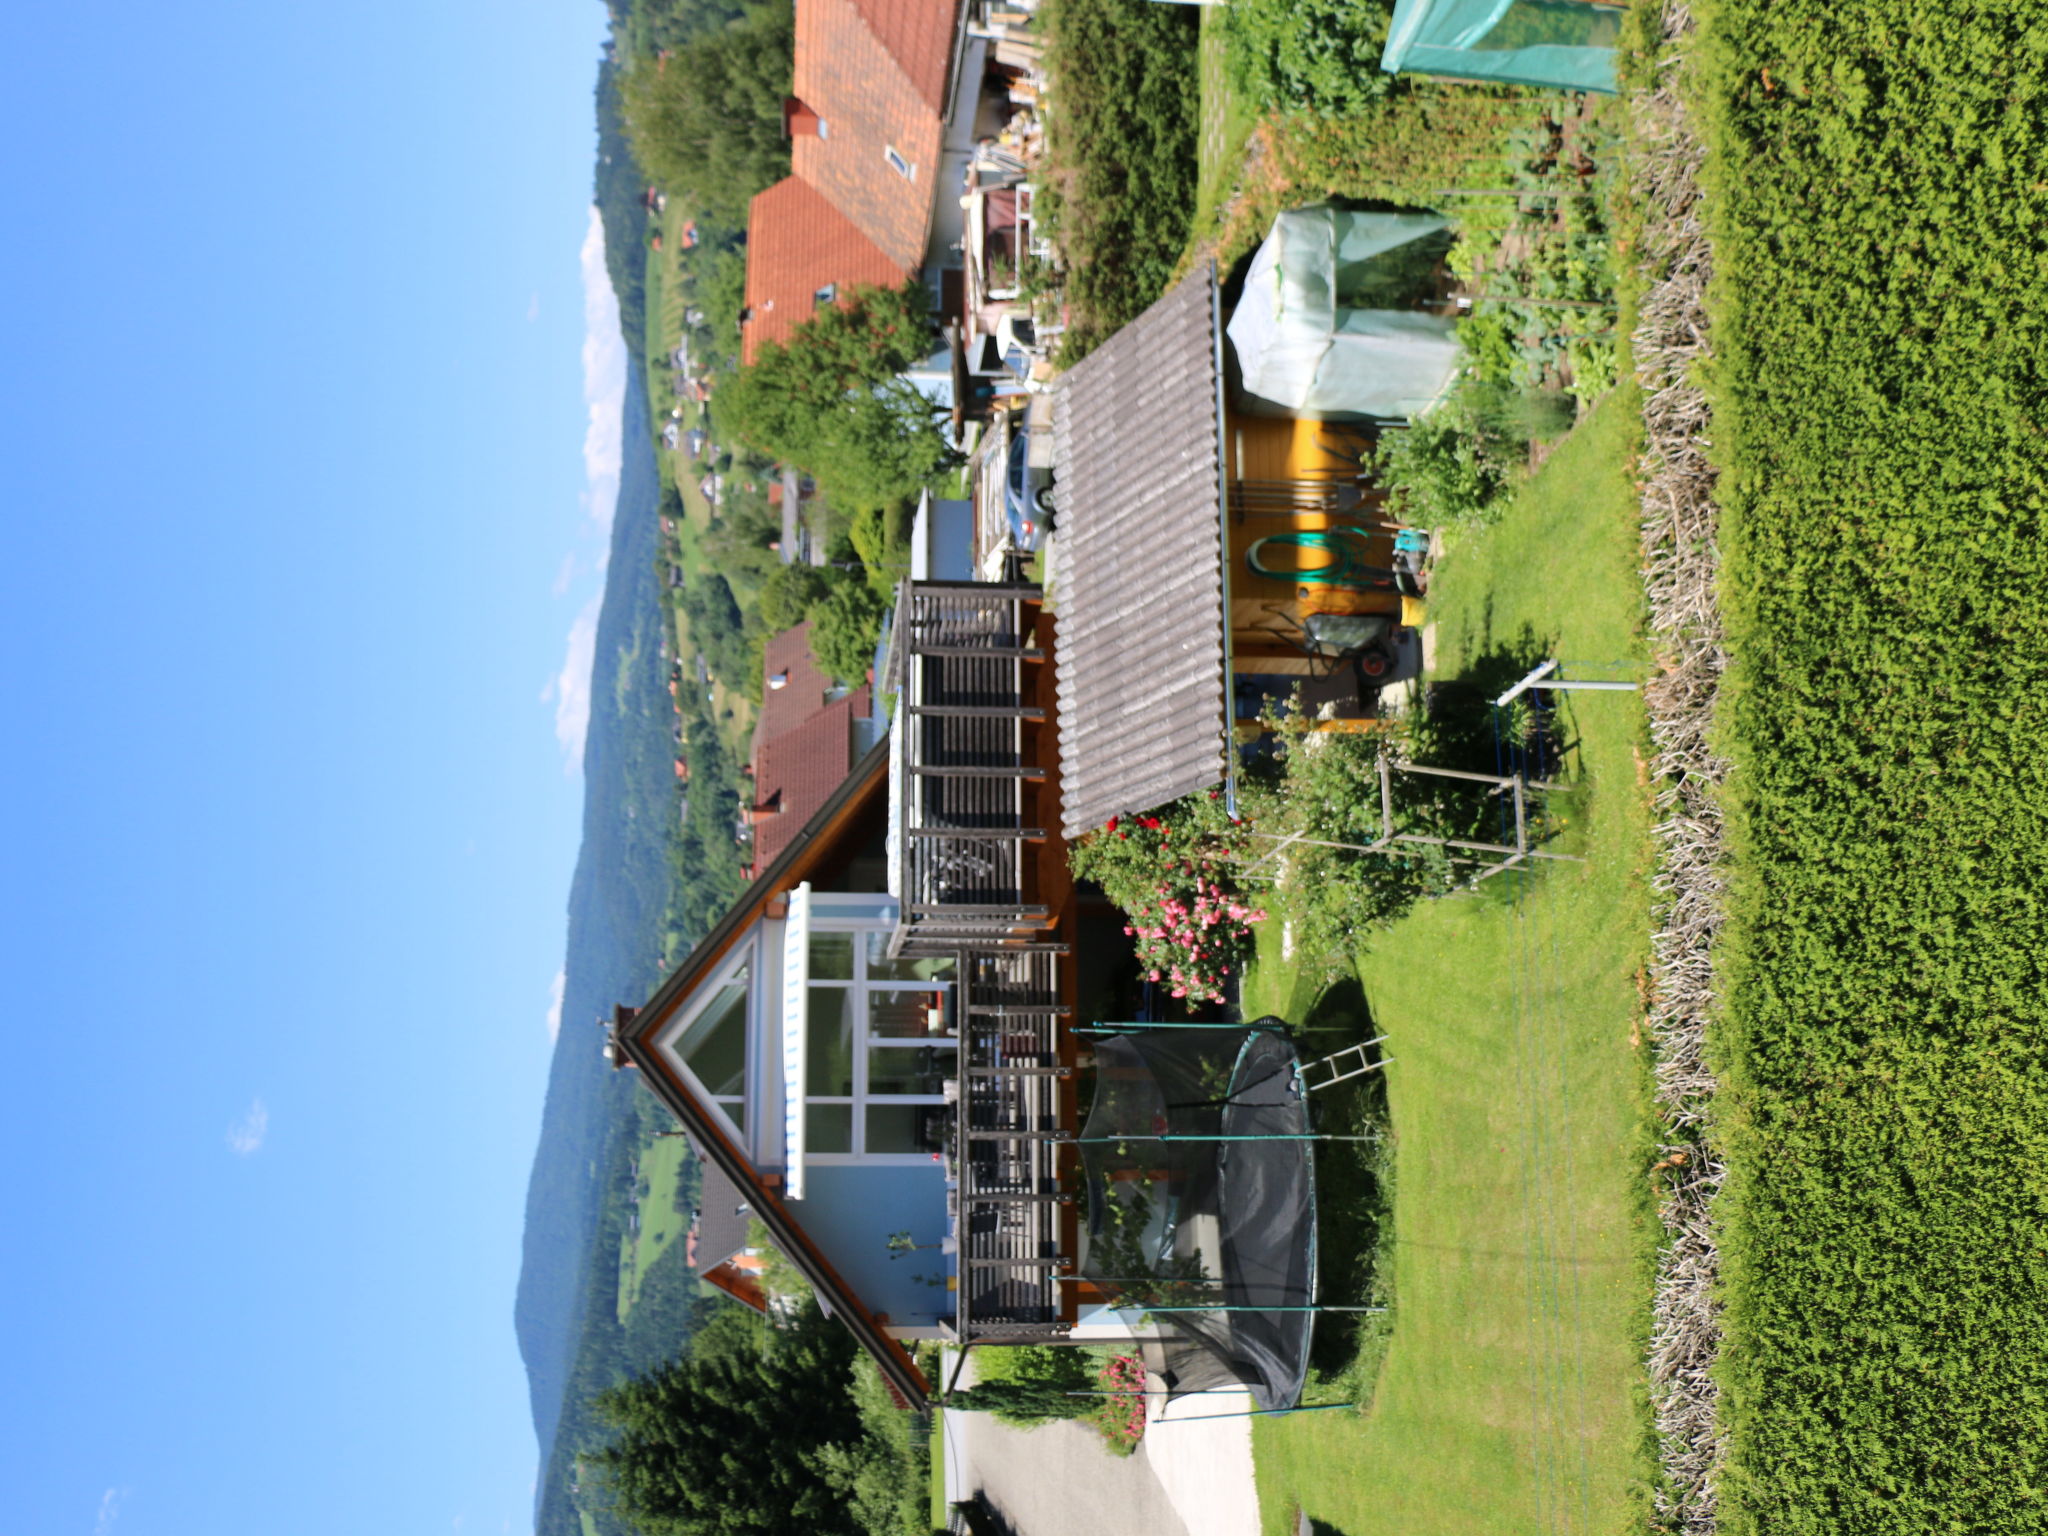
878	1048
711	1046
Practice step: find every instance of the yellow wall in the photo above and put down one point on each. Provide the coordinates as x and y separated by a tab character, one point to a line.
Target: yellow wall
1272	450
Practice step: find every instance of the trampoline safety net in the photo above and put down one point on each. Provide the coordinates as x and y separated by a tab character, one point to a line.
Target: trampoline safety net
1201	1214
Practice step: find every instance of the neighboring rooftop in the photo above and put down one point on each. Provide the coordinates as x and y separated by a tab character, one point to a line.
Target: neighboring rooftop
801	249
873	73
795	773
804	741
724	1212
796	686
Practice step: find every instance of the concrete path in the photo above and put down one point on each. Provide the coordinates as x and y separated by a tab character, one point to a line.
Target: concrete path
1186	1479
1205	1463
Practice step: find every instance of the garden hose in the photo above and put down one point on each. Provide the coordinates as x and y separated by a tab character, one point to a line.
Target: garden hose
1344	567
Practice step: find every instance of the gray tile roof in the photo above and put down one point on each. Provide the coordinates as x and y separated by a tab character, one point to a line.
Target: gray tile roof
1143	662
722	1220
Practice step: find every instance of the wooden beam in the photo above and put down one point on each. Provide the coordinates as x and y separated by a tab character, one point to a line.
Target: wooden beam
955	771
979	711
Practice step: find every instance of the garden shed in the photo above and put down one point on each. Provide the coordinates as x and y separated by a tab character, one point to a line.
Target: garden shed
1567	44
1173	636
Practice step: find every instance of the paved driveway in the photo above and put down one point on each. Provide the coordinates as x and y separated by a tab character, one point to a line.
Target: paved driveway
1187	1478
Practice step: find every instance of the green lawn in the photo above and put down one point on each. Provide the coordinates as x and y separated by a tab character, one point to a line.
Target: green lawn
1511	1395
1226	124
661	1166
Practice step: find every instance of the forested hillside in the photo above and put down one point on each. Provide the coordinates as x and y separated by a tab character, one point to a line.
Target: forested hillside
616	907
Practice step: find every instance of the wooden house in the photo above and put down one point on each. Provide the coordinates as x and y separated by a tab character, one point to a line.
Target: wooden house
868	1049
1172	637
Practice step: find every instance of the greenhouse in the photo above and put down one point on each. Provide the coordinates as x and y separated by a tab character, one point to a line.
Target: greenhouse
1562	43
1327	326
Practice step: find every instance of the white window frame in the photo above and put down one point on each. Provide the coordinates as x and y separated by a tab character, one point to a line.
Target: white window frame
743	955
860	1100
898	164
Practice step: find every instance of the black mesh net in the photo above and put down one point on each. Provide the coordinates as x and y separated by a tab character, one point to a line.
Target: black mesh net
1201	1205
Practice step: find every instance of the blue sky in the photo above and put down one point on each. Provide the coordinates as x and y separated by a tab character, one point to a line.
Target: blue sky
309	437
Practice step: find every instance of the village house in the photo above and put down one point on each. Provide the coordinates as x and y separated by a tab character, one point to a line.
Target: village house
892	108
875	1049
807	735
868	1046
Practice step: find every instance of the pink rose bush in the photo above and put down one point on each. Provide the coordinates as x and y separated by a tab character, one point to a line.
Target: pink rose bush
1174	876
1121	1418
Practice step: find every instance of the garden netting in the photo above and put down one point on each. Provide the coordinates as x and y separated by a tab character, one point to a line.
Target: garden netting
1560	43
1202	1206
1327	326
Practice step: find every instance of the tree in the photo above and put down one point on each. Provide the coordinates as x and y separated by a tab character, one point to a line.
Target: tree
717	628
788	595
846	625
829	400
706	119
1027	1402
729	1441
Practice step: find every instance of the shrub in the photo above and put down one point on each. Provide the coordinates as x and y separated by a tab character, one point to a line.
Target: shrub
1173	874
1322	56
1880	362
846	626
1120	145
788	595
1060	1368
1327	786
1119	1414
884	1475
1454	465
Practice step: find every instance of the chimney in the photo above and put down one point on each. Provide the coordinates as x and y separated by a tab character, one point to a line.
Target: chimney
800	122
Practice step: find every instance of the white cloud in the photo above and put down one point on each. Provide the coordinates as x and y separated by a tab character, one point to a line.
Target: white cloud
110	1511
565	575
555	990
569	689
604	382
533	307
246	1134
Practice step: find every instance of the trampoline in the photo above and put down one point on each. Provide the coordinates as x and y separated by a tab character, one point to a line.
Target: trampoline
1199	1162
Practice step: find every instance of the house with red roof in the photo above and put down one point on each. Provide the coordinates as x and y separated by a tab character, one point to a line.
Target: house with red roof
807	736
882	121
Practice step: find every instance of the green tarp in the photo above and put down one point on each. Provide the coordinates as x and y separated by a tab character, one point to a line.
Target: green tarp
1561	43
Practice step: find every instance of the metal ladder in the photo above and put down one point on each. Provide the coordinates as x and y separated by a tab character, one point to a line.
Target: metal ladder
1343	1065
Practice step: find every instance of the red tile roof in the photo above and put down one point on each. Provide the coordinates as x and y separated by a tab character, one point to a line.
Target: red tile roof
874	71
870	79
797	772
803	744
797	243
803	695
919	36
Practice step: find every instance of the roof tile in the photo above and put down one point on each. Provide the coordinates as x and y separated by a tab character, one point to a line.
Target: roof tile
850	70
1142	690
797	243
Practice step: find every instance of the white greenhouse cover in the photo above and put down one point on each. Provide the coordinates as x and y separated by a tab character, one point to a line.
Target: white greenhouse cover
1297	349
